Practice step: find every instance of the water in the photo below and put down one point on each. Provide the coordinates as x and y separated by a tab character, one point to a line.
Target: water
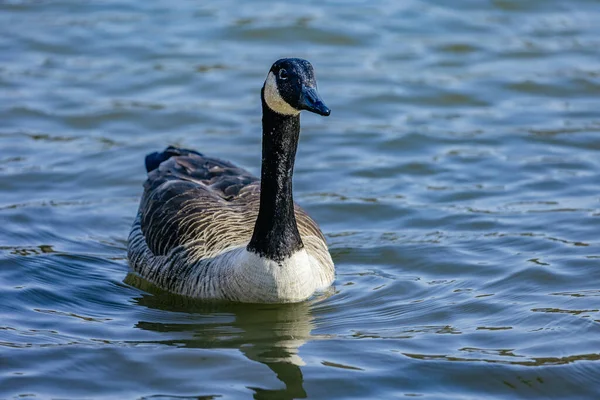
456	181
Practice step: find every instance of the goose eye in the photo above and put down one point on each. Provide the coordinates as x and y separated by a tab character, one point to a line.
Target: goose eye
283	75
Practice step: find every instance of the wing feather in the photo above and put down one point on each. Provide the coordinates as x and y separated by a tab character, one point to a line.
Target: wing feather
204	204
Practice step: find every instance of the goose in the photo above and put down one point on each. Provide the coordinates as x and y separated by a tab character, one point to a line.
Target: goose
210	230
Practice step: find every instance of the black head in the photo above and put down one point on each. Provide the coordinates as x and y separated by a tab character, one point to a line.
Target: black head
291	87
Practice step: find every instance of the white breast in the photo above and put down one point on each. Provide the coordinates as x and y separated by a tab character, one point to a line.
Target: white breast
259	279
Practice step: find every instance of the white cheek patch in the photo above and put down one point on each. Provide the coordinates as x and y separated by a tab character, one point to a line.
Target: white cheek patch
274	99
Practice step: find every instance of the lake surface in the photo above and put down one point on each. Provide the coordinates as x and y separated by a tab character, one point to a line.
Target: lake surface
457	182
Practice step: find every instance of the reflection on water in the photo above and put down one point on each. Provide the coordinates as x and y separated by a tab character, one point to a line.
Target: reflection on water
268	334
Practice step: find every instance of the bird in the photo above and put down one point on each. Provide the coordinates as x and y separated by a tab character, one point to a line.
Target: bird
210	230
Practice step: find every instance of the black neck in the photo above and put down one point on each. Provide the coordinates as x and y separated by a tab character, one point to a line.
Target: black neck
276	234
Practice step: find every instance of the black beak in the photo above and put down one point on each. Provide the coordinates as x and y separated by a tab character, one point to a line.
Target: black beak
311	101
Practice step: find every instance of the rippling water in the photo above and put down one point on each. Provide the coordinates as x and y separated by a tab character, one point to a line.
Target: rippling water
456	181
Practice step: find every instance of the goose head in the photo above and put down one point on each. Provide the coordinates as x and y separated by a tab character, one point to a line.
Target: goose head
291	87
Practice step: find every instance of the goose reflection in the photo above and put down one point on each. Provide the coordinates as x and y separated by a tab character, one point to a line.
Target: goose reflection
269	334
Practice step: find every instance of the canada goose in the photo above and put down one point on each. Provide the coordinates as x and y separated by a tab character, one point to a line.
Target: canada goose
208	229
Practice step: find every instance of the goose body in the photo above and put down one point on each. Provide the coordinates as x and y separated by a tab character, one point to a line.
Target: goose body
208	229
